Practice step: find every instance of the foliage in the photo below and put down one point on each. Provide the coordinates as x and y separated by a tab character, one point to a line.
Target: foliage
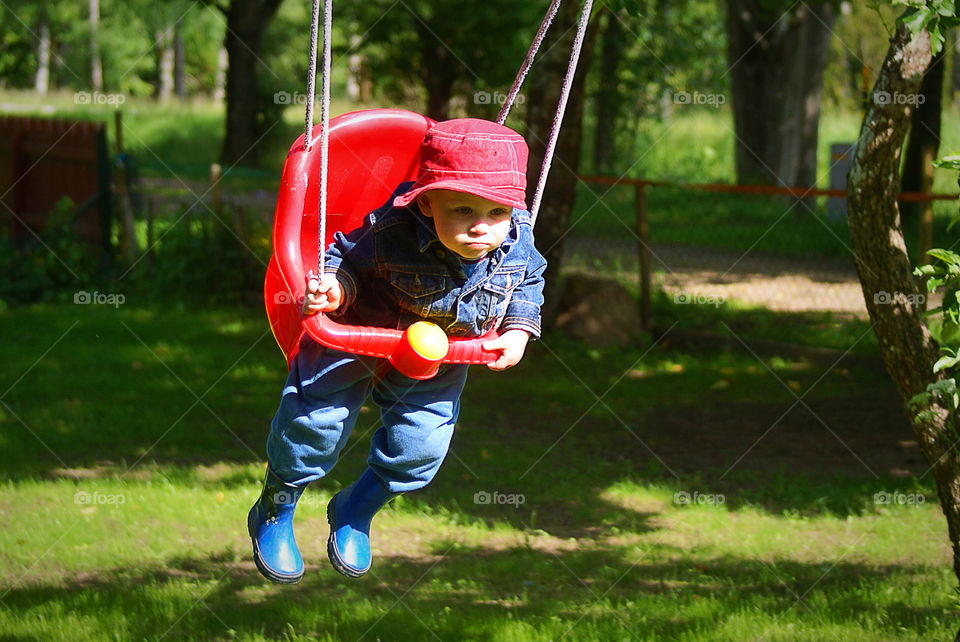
668	49
48	268
202	261
936	16
856	53
944	324
943	272
476	46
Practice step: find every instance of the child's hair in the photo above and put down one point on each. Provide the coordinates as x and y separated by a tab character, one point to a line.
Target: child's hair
474	156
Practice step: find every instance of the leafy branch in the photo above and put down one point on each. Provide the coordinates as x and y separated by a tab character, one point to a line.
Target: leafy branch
936	16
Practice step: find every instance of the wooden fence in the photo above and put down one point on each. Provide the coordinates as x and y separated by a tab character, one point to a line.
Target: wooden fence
642	228
44	160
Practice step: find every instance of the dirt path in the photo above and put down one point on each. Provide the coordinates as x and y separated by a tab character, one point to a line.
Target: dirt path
697	274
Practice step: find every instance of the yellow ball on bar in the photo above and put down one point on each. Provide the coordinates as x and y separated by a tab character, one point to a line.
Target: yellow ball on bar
428	340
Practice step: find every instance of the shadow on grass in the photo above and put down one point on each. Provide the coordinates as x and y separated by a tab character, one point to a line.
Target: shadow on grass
476	594
97	391
119	393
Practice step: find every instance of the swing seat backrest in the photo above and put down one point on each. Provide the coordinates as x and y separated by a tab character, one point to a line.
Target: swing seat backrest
370	153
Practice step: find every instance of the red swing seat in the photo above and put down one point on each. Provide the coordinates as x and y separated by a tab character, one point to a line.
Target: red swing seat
370	153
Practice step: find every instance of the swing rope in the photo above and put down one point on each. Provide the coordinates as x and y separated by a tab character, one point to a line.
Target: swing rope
312	76
324	112
528	62
501	118
561	108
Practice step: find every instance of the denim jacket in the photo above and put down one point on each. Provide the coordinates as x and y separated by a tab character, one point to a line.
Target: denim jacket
395	271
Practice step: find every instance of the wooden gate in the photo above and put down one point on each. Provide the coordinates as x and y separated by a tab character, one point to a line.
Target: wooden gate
44	160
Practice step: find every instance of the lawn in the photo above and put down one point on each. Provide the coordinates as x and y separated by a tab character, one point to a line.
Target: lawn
652	492
731	489
665	150
182	141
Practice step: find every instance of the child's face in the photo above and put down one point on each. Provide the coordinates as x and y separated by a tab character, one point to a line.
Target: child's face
467	224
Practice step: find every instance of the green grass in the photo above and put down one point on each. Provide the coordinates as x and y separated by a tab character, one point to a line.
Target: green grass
762	224
698	147
811	329
132	444
174	140
125	498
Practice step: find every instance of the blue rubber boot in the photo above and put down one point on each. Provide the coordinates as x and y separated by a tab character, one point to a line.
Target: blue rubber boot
270	524
349	514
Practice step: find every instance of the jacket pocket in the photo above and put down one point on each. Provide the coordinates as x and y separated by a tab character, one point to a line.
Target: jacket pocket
418	293
505	280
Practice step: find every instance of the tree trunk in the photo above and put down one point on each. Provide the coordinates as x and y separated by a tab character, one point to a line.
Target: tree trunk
955	73
42	80
220	79
438	71
165	56
777	62
96	66
355	67
924	140
883	266
247	20
608	97
553	221
179	64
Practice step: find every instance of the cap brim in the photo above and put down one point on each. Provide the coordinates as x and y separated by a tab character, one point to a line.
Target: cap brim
491	194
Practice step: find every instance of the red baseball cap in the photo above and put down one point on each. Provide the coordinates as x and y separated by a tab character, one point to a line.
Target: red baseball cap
474	156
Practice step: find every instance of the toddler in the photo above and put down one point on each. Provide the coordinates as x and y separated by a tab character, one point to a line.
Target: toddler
454	248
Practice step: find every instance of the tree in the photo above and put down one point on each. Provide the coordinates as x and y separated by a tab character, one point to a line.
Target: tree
545	81
955	73
907	346
924	142
776	54
247	21
165	61
180	63
608	98
42	84
438	46
96	66
646	54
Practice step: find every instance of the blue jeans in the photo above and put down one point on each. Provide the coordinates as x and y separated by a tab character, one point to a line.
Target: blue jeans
320	403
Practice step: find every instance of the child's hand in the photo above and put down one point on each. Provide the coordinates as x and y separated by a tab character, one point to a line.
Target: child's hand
323	295
512	343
